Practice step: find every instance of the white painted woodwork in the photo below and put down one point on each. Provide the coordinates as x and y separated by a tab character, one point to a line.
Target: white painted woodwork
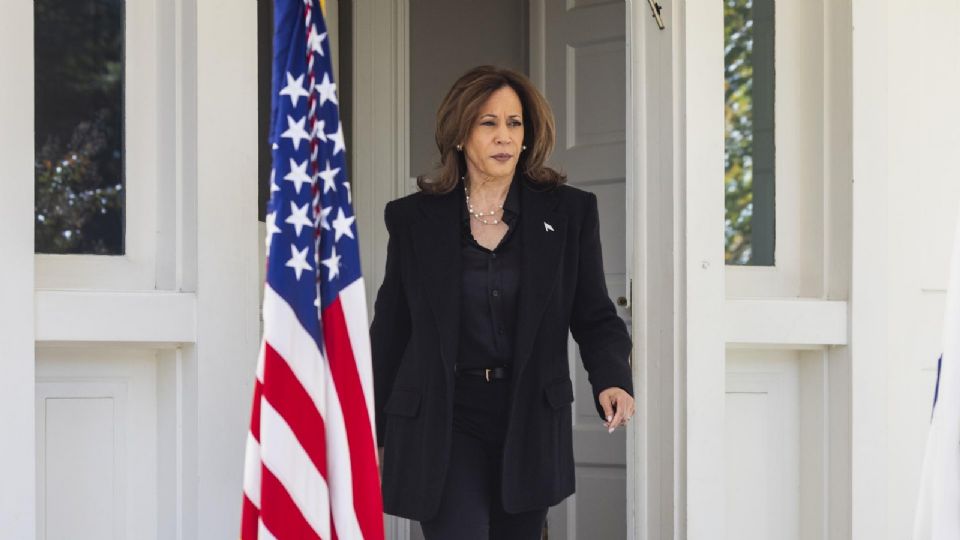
577	59
96	443
17	491
107	316
700	158
793	323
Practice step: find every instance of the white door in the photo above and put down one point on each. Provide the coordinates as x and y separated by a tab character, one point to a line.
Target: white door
577	58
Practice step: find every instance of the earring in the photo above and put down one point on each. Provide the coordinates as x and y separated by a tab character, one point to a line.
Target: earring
524	147
459	148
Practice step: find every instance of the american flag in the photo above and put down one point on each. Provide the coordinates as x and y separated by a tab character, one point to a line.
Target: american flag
938	498
311	463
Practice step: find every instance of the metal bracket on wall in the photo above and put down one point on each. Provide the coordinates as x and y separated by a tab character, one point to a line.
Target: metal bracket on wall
655	8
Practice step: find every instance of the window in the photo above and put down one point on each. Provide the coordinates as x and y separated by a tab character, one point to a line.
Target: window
749	133
79	136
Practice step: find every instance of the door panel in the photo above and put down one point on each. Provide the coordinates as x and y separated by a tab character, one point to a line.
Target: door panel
762	445
577	59
97	441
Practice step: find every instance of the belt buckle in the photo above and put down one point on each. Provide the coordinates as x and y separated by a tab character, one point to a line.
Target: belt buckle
486	373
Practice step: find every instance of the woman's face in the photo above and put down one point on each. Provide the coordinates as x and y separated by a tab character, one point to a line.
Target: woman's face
493	145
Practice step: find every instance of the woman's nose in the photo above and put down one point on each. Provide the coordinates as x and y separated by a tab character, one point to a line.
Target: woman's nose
503	134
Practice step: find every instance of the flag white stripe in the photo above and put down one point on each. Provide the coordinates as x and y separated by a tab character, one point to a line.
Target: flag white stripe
338	468
939	497
261	360
290	464
354	302
251	471
263	533
282	330
251	465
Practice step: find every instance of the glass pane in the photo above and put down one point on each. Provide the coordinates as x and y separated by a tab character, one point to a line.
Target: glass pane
749	146
79	172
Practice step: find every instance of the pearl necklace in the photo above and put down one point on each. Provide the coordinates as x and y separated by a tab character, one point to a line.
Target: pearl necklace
479	215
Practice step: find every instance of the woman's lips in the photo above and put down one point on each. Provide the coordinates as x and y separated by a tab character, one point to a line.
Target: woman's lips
502	157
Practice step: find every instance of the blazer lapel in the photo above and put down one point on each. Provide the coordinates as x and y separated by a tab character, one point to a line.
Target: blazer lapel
437	250
543	232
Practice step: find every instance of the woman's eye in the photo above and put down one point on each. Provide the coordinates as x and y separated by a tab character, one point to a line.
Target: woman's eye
491	123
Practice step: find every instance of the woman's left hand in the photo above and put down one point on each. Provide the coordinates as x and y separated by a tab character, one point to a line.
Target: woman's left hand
617	407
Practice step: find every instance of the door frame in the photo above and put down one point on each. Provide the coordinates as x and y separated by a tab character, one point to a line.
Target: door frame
656	451
18	491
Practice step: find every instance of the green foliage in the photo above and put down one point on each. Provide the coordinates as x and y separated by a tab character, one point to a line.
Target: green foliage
78	78
738	96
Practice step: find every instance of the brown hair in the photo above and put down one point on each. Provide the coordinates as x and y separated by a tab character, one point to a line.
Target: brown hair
459	110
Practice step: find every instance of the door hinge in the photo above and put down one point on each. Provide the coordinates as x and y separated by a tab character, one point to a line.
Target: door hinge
655	8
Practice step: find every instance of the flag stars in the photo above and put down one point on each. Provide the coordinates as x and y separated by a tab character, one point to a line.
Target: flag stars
327	90
273	181
272	228
333	264
318	130
298	173
298	260
298	217
296	132
328	175
337	138
342	224
294	89
349	195
324	213
316	40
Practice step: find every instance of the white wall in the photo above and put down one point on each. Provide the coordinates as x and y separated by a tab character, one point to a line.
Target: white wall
923	194
906	194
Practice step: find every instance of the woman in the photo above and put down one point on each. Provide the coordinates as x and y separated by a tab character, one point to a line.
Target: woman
488	267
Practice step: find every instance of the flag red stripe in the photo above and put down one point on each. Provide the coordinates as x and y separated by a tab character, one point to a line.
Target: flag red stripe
280	514
294	405
255	415
249	521
366	481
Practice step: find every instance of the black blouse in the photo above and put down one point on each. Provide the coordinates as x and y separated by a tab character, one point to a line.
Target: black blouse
489	290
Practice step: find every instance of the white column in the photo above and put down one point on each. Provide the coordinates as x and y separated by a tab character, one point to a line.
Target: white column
17	384
869	310
700	160
220	369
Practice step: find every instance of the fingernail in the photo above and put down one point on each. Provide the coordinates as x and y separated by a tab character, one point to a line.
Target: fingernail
610	430
609	418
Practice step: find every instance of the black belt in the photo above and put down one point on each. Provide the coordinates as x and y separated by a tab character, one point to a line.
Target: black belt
488	374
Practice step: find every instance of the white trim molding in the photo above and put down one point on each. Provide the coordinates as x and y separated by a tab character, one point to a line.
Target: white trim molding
785	323
699	147
17	423
108	317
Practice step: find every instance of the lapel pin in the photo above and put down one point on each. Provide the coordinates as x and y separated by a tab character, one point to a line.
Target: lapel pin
547	226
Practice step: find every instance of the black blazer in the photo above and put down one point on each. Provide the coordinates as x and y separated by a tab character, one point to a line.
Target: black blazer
414	345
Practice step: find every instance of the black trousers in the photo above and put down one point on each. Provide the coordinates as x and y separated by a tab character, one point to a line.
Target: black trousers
471	506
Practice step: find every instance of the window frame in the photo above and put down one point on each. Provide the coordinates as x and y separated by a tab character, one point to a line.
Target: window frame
147	143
